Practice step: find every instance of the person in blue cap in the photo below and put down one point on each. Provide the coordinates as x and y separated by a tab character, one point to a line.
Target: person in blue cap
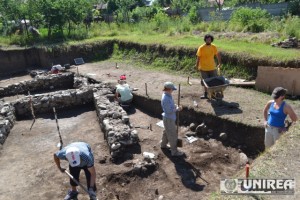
170	134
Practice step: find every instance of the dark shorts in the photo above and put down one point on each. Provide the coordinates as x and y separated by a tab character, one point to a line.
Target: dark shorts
207	74
75	172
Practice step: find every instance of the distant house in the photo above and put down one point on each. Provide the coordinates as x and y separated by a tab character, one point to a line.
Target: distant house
148	2
101	6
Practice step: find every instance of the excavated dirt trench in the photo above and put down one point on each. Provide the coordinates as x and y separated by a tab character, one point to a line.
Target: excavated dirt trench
28	170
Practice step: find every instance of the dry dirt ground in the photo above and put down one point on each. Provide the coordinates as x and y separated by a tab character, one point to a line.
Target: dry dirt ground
26	158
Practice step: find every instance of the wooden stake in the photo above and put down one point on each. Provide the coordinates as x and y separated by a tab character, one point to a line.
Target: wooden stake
247	170
293	87
188	81
146	90
32	111
60	139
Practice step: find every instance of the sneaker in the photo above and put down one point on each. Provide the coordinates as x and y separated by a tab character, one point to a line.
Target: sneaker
71	195
204	96
178	153
164	147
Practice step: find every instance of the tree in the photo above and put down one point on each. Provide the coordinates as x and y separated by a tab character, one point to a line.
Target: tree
219	3
12	13
57	13
124	7
75	11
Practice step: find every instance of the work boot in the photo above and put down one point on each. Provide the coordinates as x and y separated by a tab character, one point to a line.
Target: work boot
204	96
71	195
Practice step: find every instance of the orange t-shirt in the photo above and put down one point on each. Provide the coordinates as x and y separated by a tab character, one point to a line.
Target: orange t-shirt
206	53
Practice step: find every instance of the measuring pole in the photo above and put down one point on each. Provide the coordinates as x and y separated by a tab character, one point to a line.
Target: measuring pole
60	139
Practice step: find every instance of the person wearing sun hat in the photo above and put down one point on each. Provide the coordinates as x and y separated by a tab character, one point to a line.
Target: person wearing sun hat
80	157
170	134
275	112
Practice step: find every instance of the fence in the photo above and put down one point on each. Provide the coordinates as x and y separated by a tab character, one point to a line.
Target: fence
275	9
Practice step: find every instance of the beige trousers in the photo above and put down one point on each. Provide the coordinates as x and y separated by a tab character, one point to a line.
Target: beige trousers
170	134
271	135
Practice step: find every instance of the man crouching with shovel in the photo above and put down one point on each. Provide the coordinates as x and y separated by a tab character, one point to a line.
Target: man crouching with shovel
79	156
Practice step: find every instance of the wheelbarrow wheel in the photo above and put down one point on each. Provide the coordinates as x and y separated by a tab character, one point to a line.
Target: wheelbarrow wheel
219	96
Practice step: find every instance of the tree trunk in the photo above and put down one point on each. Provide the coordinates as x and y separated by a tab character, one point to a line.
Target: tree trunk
49	31
26	25
69	29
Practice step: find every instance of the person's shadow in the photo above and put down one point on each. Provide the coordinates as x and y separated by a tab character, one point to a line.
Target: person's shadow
186	171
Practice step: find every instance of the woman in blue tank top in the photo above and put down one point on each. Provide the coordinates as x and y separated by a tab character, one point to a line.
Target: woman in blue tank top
275	113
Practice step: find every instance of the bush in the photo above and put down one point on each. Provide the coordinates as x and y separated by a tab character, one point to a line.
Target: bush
161	21
193	15
143	13
254	20
292	25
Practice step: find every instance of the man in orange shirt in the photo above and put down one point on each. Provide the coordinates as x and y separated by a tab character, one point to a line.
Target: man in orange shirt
206	60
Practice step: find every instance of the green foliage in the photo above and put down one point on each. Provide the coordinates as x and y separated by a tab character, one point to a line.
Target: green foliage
143	13
292	26
174	62
231	71
124	8
161	21
194	18
254	20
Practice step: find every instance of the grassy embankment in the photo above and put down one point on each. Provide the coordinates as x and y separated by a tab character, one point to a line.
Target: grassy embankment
241	50
281	161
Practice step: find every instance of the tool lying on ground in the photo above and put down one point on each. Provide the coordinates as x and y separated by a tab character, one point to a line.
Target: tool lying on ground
32	111
144	127
198	174
78	183
60	144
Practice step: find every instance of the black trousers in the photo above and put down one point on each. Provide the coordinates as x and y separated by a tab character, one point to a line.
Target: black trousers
75	172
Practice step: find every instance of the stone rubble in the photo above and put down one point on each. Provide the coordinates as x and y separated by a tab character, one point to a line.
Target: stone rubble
7	120
39	83
45	102
291	42
113	120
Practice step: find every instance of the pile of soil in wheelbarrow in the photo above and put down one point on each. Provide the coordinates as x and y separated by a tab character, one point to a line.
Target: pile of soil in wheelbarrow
215	81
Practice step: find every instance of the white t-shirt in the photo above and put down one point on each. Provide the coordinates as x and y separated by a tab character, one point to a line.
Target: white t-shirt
124	91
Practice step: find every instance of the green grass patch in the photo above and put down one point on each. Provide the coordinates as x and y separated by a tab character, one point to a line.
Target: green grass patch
257	50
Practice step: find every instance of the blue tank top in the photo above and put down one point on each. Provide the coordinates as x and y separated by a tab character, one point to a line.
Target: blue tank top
276	117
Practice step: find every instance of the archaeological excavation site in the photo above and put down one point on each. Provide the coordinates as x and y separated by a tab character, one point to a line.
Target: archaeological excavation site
42	111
